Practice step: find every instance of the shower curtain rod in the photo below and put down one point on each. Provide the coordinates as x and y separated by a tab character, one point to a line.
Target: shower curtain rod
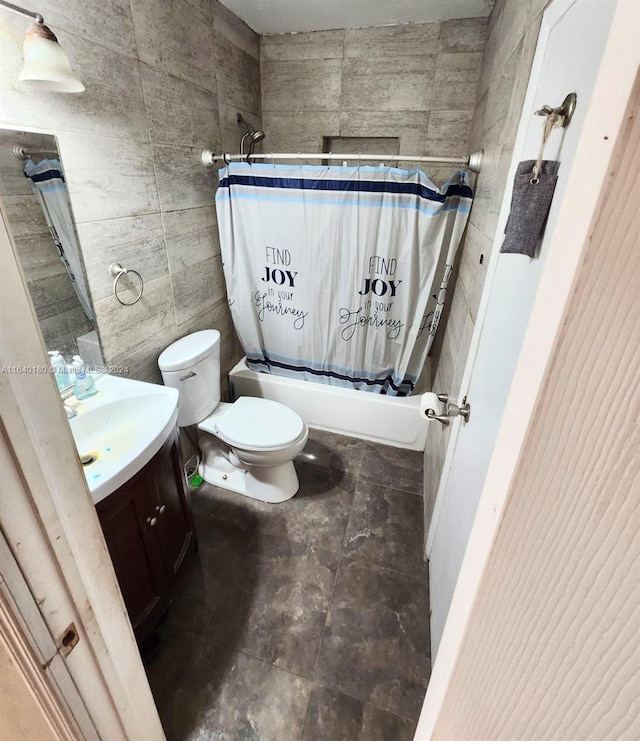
23	152
473	161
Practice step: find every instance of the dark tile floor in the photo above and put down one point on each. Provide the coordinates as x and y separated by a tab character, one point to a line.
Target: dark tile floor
307	620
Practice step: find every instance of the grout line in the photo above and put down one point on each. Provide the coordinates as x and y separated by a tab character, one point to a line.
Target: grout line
366	702
373	564
326	618
275	666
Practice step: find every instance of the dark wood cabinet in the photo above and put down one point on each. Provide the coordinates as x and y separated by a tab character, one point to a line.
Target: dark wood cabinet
148	526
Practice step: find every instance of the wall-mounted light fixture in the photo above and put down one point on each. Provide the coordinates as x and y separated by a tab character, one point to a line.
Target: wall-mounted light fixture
46	66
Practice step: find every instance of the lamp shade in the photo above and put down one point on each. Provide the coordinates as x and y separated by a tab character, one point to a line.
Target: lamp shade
46	66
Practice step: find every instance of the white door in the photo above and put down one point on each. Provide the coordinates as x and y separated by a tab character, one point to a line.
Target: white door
570	47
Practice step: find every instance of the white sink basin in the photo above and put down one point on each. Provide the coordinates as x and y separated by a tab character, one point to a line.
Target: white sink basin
123	426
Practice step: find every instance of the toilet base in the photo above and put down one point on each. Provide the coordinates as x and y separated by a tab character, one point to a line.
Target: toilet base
265	483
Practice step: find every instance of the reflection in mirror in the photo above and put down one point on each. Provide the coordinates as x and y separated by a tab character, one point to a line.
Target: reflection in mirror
37	209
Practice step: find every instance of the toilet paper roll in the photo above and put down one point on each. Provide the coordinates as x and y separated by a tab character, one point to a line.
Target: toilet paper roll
430	401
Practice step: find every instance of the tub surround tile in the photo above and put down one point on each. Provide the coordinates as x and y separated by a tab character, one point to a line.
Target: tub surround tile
411	131
38	255
333	715
136	242
108	178
476	136
176	38
238	74
182	180
123	329
301	85
453	97
237	697
178	112
25	214
471	273
111	22
61	329
235	30
448	132
376	623
378	87
500	92
385	528
513	17
393	467
300	46
142	363
52	295
463	35
404	40
197	288
191	236
458	67
299	131
230	132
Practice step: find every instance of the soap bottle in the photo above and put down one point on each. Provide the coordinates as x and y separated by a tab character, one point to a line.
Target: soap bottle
83	384
63	379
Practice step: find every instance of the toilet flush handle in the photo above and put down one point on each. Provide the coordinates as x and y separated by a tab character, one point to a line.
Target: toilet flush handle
189	375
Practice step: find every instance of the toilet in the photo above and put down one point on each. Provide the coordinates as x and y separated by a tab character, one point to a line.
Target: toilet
247	446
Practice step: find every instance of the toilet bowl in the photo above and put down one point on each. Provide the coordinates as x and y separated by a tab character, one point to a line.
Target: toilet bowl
247	446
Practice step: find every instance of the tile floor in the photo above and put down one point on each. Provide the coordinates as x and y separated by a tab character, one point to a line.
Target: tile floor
307	620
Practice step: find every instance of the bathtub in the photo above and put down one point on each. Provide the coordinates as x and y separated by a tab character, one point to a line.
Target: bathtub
391	420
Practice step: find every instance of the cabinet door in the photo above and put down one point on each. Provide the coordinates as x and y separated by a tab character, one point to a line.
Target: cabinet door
172	506
135	552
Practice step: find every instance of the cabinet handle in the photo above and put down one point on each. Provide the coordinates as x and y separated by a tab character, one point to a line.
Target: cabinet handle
161	508
151	521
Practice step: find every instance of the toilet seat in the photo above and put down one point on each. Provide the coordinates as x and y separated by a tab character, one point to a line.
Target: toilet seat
256	424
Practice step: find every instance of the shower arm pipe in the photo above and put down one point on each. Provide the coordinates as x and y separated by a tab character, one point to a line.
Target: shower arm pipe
473	161
17	9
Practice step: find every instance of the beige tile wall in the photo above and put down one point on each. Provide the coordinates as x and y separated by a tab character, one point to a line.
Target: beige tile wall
164	79
511	41
416	82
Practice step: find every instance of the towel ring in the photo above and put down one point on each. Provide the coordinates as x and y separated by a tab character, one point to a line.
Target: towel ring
118	271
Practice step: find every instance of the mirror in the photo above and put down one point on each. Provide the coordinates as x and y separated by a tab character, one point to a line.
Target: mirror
38	211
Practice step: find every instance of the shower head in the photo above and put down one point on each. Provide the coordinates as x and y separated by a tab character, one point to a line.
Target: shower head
254	135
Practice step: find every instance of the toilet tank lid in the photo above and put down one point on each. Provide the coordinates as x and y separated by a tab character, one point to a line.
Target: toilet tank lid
189	350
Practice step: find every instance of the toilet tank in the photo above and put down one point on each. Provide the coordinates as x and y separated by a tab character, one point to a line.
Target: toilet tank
192	365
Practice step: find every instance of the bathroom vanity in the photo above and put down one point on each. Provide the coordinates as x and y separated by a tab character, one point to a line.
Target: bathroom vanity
127	440
148	526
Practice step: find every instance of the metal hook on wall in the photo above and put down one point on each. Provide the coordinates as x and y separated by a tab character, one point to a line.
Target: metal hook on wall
566	110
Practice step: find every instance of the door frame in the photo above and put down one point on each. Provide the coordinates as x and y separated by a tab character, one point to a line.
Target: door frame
51	528
588	176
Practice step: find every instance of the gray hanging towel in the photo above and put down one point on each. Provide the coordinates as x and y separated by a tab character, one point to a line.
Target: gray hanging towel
530	204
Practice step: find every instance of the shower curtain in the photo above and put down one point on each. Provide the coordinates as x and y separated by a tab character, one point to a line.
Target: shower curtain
47	182
338	274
